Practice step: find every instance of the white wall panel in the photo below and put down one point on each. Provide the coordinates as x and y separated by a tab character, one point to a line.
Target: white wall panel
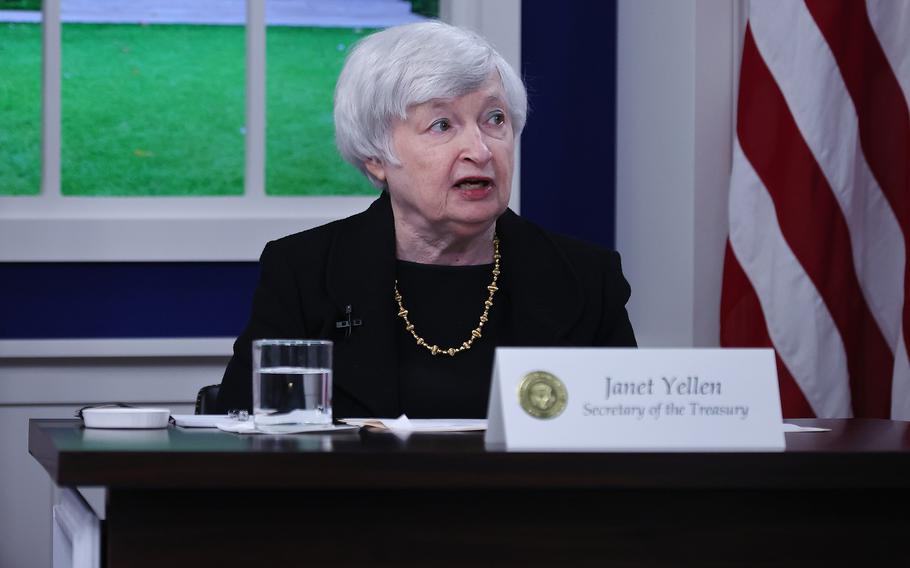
675	98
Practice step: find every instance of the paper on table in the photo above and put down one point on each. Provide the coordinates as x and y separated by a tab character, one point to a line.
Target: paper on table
200	420
796	428
249	427
405	424
224	423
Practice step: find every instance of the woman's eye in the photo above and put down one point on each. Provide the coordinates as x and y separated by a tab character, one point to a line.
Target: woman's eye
498	118
441	125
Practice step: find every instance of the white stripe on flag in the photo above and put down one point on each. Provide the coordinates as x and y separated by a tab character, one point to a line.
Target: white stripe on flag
799	323
807	74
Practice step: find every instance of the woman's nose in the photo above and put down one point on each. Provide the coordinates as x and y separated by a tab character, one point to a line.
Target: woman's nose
475	146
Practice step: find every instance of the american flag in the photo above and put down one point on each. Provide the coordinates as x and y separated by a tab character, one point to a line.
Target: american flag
816	263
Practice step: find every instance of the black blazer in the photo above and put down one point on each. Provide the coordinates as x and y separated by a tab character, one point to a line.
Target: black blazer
563	292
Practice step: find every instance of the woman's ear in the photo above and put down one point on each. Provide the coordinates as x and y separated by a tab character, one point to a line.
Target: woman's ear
376	169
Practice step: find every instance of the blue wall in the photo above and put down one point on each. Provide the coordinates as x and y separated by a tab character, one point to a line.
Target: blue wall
568	148
128	299
567	177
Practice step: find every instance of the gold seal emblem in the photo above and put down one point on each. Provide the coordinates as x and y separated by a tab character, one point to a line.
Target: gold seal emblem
542	395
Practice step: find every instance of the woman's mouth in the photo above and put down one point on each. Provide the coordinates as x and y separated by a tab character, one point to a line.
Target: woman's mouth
474	187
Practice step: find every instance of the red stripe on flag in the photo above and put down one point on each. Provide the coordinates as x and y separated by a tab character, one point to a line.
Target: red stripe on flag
813	226
884	119
742	324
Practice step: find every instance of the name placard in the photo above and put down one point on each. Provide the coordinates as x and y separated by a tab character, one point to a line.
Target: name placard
603	399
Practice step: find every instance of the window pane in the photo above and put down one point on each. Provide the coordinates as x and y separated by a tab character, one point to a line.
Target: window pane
20	97
152	109
306	45
301	159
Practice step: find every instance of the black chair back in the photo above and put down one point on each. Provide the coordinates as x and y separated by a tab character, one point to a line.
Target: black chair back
207	400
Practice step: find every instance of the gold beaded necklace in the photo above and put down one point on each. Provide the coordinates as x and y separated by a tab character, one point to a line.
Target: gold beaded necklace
475	333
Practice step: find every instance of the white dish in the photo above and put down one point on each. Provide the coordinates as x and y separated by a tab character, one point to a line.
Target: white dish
126	417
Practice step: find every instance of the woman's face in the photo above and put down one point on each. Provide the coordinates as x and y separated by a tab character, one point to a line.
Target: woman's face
456	158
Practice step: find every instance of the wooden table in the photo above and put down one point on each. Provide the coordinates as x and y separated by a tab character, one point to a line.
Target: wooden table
199	497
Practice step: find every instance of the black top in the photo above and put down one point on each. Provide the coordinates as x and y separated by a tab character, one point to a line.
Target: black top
445	303
561	292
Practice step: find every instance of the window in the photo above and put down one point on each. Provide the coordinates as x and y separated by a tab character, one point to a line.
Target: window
151	109
170	141
302	66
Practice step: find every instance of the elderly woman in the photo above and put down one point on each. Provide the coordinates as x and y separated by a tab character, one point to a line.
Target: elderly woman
418	290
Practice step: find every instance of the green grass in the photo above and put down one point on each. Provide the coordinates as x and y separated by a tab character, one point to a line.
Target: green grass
301	73
20	109
159	110
32	5
428	8
152	110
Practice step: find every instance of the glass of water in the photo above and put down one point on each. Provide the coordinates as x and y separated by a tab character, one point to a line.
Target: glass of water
292	382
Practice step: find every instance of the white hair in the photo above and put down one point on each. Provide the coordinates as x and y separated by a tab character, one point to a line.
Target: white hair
391	70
